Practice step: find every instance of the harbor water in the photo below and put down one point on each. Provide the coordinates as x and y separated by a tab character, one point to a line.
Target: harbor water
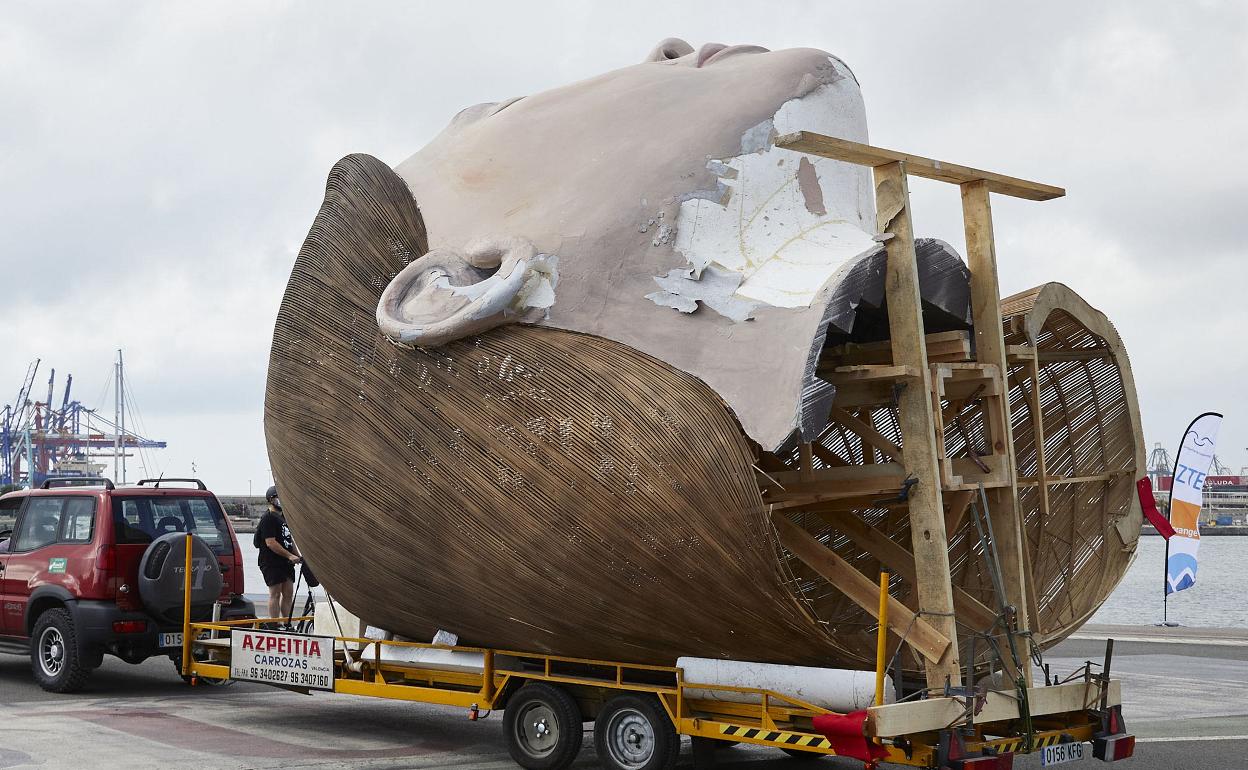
1218	600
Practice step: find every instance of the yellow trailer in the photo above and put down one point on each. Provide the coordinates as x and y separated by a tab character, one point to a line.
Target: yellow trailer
640	711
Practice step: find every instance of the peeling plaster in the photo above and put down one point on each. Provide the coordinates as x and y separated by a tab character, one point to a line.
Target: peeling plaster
783	222
715	288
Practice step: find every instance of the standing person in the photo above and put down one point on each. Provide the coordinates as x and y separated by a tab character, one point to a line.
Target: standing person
277	555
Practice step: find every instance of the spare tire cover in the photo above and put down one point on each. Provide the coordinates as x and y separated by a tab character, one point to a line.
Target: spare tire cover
161	577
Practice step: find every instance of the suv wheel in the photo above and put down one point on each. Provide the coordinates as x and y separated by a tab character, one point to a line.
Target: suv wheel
54	653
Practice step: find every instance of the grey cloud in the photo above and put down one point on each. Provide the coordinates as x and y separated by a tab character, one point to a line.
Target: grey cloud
151	150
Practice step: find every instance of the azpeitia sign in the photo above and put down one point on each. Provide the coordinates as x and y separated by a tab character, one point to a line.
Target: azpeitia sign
291	660
1186	497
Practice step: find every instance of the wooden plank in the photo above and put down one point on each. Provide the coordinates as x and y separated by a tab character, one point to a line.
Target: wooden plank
868	433
1019	353
1058	480
905	320
999	706
1003	508
846	374
956	504
1078	354
869	477
864	394
901	561
841	504
876	157
828	457
1042	468
860	589
941	346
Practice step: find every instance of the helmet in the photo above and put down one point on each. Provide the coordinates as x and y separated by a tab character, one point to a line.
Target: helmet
271	493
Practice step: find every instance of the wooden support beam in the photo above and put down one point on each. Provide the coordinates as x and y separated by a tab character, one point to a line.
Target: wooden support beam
807	457
878	157
857	482
906	334
867	433
864	394
920	634
828	457
843	375
941	346
999	706
1003	506
895	556
956	504
1058	480
872	479
1042	468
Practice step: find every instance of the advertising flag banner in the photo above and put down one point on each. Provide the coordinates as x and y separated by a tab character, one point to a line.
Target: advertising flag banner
1186	498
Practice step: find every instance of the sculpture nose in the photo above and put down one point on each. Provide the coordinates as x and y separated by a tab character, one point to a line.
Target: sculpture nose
707	51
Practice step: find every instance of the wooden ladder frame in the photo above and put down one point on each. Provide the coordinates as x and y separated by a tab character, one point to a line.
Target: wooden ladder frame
922	454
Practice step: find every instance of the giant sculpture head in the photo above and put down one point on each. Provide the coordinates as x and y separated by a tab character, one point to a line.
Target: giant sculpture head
610	205
528	386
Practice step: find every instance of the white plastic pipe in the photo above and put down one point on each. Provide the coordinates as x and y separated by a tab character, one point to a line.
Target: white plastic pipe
831	688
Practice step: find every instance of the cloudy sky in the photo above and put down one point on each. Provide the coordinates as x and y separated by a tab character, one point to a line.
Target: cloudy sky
161	163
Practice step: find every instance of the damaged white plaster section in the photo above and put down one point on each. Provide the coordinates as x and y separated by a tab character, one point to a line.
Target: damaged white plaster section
783	221
529	284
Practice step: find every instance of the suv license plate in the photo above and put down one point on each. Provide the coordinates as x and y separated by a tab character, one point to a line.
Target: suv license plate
1062	753
171	640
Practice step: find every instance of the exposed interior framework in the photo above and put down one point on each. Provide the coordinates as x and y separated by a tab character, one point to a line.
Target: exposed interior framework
1080	531
1030	421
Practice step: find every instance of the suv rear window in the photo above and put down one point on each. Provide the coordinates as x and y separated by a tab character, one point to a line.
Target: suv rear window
141	520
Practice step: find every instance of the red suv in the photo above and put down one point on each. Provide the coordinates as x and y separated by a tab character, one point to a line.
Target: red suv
70	559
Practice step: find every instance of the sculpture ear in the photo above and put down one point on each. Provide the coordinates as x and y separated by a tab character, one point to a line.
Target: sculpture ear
668	49
447	295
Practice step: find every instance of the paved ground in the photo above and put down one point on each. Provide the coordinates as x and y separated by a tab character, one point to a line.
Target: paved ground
1185	698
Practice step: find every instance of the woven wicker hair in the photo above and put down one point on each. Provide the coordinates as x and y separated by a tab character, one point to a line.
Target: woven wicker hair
544	490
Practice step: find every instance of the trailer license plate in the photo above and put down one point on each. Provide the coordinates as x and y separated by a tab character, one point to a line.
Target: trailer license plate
1062	753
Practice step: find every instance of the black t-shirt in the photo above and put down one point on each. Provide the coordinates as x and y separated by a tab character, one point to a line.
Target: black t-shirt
272	525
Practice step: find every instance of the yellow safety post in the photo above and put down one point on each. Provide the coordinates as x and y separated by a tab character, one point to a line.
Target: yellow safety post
186	610
881	645
487	677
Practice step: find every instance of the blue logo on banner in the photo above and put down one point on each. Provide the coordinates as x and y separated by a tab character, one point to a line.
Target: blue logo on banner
1180	572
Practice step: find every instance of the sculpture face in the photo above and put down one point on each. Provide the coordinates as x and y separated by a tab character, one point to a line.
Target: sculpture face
618	205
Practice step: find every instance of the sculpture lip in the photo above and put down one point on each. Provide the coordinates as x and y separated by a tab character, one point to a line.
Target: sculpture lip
713	52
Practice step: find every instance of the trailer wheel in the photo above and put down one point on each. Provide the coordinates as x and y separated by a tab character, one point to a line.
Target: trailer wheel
633	732
544	727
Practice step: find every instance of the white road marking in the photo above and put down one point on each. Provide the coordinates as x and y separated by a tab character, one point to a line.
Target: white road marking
1179	739
1164	640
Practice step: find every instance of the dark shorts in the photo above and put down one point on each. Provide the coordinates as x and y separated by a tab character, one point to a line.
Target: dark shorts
276	574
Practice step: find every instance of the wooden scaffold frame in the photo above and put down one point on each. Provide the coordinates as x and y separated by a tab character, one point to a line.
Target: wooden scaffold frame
919	373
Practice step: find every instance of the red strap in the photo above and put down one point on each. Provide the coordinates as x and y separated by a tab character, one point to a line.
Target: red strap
847	734
1149	503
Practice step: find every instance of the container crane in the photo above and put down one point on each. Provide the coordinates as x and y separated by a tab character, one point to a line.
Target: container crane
38	440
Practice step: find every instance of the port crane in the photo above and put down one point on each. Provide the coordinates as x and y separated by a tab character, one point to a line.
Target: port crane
38	440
